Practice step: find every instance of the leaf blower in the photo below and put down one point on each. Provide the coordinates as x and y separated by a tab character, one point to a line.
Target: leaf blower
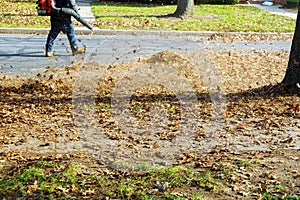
45	8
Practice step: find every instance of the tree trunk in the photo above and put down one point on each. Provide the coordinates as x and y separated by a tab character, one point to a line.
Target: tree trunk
292	74
184	8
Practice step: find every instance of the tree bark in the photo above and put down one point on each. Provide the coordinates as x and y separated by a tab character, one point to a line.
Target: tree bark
292	74
184	8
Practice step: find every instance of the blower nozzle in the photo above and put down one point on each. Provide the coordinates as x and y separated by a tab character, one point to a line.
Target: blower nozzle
73	13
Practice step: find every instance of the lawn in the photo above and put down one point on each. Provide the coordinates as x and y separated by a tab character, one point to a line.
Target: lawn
228	18
21	14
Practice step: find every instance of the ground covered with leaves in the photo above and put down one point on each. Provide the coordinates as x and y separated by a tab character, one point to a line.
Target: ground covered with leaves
21	14
62	135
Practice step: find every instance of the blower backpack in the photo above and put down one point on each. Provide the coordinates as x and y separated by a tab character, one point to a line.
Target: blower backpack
45	8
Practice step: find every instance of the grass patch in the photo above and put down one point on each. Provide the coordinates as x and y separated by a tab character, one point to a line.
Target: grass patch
242	162
229	18
206	18
23	14
44	178
64	179
267	196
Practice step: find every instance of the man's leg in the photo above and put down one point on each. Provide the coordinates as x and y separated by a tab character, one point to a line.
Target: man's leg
53	33
70	32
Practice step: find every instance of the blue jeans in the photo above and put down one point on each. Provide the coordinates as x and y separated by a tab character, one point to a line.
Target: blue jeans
64	26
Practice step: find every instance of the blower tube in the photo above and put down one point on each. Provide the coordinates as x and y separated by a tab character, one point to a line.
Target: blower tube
73	13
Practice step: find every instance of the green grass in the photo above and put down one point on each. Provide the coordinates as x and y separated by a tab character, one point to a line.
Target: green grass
242	162
52	180
206	18
15	14
267	196
228	18
37	178
63	179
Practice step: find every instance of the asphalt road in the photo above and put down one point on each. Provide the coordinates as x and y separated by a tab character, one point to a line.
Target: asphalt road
23	54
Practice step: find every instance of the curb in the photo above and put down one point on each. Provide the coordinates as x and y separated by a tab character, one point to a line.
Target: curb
84	31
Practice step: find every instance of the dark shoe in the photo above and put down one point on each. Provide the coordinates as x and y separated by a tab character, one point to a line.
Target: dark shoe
49	54
78	51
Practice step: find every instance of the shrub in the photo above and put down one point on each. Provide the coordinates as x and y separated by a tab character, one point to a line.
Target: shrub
291	3
174	2
228	2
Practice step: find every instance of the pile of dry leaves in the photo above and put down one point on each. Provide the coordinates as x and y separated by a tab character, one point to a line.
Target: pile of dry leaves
163	109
